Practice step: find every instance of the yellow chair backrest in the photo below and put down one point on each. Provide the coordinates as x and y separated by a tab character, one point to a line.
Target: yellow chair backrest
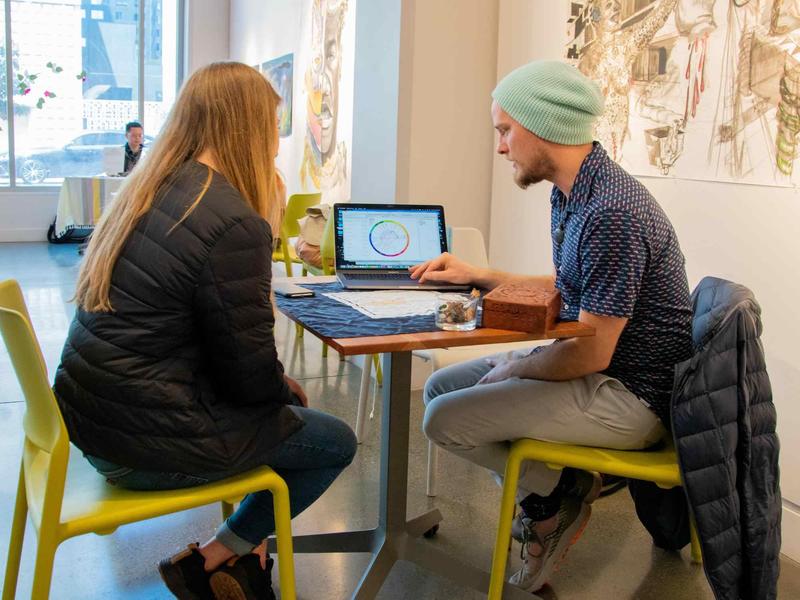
43	425
327	249
295	210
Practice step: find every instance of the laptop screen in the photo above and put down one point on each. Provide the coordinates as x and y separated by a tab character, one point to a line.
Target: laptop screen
387	236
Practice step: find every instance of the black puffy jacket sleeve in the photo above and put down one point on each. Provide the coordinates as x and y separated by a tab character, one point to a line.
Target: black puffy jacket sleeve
236	318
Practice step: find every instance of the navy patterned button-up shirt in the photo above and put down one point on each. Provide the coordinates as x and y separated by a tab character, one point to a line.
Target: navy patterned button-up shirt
620	257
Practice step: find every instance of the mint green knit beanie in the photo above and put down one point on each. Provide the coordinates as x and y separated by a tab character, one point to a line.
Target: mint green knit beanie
552	99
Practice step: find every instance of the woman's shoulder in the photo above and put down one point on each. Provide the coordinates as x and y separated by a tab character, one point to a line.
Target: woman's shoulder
221	207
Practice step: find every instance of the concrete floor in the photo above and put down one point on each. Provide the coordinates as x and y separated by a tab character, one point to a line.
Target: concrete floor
614	559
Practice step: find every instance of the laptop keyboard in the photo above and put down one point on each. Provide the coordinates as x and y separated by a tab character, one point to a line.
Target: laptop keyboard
381	276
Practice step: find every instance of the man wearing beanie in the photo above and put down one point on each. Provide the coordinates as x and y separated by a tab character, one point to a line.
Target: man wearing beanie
619	268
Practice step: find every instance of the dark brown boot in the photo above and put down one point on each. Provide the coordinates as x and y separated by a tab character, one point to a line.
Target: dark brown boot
243	578
185	575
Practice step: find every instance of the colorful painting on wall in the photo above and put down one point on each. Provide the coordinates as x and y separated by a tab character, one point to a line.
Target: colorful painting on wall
697	89
280	73
325	160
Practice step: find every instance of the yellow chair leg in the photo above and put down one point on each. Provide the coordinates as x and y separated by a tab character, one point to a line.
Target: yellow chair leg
227	509
283	536
376	360
17	538
298	330
697	554
43	571
324	350
500	556
287	260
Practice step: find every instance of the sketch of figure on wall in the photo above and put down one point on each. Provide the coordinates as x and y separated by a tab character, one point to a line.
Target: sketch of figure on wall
705	89
608	36
324	165
767	78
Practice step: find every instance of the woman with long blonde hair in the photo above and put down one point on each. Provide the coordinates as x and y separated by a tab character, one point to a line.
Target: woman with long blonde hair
170	376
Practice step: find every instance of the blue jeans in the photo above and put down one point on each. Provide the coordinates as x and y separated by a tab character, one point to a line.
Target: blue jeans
309	460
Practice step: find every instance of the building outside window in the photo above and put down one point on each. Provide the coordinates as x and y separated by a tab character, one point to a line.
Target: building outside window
77	77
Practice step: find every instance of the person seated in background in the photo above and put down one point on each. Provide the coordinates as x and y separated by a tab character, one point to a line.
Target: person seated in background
134	136
620	270
169	376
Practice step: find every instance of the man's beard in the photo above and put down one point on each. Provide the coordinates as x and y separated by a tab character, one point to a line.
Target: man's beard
527	177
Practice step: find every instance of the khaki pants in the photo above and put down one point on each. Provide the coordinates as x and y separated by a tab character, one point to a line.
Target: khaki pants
478	422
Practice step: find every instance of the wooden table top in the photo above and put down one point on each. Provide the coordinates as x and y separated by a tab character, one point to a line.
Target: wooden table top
405	342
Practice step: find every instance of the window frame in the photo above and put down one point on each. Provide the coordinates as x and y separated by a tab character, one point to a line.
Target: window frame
9	132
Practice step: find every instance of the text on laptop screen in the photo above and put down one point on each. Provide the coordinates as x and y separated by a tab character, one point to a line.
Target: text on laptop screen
375	238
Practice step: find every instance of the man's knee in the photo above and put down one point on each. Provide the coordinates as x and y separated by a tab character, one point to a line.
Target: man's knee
440	422
440	382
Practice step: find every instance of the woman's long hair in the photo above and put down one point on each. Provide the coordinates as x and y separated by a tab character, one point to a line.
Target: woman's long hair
227	108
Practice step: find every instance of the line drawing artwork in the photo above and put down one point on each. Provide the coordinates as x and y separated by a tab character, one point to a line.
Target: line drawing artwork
698	89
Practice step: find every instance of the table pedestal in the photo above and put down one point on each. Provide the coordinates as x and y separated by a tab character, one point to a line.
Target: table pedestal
396	538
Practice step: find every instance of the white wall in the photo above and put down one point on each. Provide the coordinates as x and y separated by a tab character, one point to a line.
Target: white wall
25	214
383	27
743	233
261	31
206	33
450	136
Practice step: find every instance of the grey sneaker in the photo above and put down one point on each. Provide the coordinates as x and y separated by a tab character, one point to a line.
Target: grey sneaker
588	485
545	543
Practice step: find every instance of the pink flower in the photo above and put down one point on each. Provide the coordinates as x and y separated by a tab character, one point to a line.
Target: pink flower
27	91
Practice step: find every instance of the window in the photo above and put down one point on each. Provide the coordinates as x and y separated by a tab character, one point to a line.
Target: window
81	70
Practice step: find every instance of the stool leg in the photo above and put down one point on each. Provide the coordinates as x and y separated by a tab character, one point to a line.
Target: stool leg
43	571
376	358
17	538
227	509
500	557
283	538
433	468
697	554
361	411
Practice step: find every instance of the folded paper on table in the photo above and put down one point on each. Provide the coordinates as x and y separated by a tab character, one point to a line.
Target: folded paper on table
387	304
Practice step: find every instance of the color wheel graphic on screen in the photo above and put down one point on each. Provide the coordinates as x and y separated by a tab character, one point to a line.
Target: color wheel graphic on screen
389	238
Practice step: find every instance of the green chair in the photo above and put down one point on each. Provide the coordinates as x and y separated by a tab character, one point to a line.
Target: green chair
659	465
290	228
67	498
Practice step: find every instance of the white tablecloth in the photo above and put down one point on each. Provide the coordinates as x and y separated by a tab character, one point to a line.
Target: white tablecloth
82	200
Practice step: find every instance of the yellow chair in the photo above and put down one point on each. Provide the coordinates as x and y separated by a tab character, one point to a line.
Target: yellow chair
295	209
659	466
69	498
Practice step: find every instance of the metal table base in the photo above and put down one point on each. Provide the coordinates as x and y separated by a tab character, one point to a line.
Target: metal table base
396	538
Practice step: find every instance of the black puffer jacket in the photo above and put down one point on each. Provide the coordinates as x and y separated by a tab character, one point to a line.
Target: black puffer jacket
183	375
723	420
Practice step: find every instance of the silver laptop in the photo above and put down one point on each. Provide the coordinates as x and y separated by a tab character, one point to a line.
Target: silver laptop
376	243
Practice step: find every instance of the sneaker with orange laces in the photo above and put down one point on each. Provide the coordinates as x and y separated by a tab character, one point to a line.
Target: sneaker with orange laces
545	543
586	485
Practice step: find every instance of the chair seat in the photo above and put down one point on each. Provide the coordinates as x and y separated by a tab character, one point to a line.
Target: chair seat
658	465
92	505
